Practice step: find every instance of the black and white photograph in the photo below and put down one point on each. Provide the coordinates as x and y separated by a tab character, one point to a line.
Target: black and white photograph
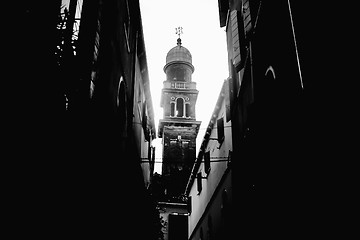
173	120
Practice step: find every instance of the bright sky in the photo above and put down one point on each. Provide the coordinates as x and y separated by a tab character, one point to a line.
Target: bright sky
202	36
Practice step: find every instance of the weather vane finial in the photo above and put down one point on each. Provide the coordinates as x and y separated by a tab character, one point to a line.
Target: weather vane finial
179	31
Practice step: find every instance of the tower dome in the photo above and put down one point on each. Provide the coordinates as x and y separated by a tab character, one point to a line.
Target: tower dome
179	54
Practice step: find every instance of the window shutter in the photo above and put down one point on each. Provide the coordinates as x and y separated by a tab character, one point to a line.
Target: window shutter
207	162
220	130
228	98
235	37
247	18
189	206
199	182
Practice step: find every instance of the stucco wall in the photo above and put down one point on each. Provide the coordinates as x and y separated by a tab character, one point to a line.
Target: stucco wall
219	155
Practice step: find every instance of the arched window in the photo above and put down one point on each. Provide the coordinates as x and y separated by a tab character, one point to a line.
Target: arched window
270	73
187	109
180	107
172	109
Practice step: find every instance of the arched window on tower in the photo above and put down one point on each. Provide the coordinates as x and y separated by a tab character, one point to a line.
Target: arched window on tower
180	107
172	109
187	109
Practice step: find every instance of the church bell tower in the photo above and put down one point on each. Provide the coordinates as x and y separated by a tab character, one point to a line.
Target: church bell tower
178	128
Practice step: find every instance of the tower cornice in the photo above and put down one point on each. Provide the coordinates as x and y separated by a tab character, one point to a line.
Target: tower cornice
179	62
177	122
179	90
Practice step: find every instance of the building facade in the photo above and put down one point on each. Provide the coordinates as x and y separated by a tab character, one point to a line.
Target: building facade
209	187
269	115
112	51
265	107
94	122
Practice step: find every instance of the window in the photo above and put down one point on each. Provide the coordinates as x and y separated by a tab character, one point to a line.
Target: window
187	110
270	73
172	109
179	107
220	130
180	85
